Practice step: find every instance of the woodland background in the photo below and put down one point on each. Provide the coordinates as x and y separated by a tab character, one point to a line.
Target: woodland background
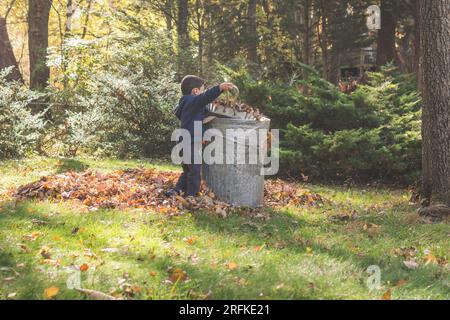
101	77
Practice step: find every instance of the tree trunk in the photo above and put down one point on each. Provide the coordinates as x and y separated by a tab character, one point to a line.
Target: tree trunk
435	48
306	52
7	58
168	10
322	34
69	14
252	33
386	36
38	15
417	53
200	17
184	42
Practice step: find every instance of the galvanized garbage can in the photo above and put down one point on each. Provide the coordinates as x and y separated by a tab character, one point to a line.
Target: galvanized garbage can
238	184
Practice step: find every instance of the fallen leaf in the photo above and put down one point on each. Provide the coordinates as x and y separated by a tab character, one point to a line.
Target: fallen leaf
430	259
232	266
177	274
411	264
110	250
51	292
387	295
12	295
52	262
401	283
84	267
190	240
33	236
45	252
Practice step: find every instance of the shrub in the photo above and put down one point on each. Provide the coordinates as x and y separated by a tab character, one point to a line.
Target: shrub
373	133
123	108
20	129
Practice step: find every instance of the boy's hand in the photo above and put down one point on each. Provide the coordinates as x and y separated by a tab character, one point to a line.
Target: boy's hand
227	86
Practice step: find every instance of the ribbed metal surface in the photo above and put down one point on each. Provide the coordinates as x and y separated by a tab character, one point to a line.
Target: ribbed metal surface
237	184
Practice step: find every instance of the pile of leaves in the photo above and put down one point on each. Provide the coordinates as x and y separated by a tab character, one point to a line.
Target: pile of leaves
236	110
139	188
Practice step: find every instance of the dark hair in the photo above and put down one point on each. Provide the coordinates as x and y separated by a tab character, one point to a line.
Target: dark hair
191	82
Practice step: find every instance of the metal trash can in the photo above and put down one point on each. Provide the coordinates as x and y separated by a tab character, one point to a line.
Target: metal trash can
238	184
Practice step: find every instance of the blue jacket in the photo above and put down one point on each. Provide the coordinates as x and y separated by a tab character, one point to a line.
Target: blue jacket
192	108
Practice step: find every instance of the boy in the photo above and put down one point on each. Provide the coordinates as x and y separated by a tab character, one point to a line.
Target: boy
192	108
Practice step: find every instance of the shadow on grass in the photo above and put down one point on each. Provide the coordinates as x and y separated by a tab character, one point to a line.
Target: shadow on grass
282	232
65	165
278	234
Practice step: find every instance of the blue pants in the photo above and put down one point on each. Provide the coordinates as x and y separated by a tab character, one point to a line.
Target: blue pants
190	180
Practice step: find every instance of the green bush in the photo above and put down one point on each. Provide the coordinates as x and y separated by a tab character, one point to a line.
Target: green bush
20	129
121	109
371	134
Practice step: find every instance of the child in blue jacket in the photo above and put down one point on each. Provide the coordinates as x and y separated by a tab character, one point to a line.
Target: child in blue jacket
191	109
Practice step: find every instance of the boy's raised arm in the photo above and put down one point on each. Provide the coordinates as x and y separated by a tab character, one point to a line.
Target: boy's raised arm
211	94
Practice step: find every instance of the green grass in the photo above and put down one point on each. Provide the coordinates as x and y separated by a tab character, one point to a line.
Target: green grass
297	253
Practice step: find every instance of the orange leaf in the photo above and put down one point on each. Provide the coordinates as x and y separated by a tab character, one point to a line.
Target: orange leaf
232	266
387	295
51	292
84	267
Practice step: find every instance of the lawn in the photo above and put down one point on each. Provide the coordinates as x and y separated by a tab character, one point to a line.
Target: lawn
319	252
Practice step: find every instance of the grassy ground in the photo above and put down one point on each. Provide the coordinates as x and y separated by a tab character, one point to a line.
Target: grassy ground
298	253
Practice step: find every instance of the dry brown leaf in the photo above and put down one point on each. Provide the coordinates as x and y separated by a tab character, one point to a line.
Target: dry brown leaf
411	264
45	252
52	262
401	283
139	188
177	274
33	236
387	295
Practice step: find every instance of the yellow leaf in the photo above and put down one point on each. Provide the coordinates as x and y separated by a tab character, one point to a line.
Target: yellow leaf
430	259
51	292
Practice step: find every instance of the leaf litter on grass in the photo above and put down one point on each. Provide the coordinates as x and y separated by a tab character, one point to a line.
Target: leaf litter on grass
139	188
